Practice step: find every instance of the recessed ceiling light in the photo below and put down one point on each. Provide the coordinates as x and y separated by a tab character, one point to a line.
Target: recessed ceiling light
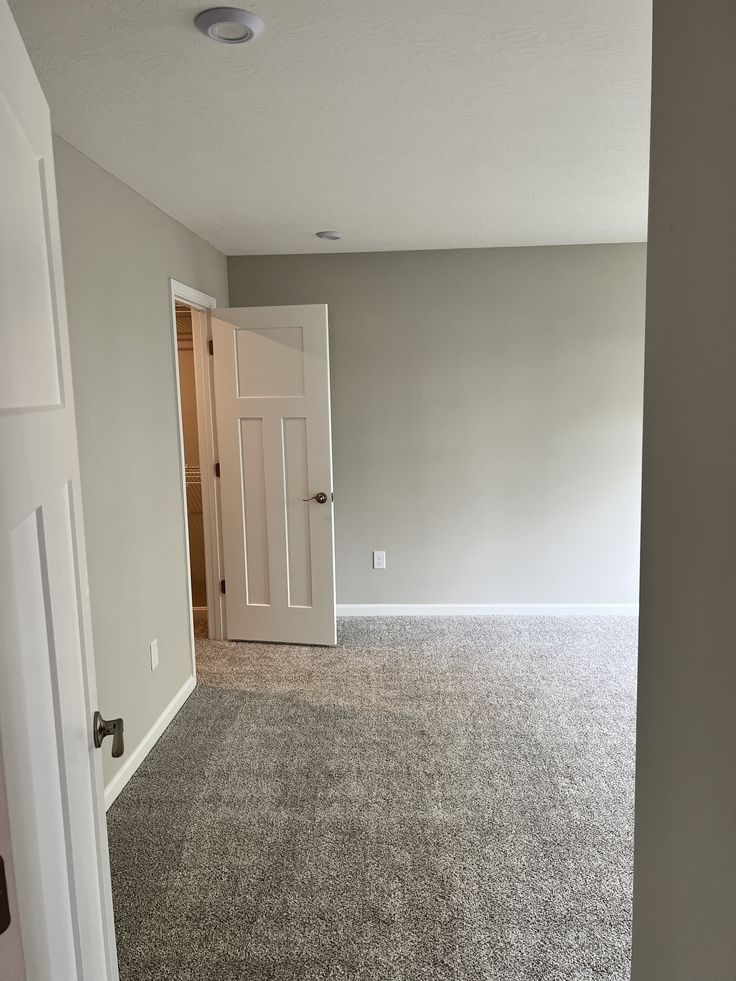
229	25
331	236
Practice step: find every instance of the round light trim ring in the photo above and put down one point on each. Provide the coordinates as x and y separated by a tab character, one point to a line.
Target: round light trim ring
229	25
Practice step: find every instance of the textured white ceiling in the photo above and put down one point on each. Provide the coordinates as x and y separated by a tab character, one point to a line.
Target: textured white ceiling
406	124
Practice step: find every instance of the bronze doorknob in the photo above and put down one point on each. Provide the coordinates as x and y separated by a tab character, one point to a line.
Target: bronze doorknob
320	498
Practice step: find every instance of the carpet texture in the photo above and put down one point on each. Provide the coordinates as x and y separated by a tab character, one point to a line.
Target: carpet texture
433	800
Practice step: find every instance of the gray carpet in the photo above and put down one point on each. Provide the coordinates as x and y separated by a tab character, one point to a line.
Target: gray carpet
433	800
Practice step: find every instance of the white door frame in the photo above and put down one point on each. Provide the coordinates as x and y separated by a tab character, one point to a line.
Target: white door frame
200	303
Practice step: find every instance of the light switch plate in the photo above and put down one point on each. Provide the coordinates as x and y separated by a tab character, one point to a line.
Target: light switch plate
154	654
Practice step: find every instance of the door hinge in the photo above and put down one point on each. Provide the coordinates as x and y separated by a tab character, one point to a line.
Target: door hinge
222	586
211	346
217	470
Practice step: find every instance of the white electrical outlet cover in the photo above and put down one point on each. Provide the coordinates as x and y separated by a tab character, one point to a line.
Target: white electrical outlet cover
379	559
154	654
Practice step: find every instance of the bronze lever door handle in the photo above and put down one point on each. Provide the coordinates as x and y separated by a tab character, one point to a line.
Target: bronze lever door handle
101	728
320	498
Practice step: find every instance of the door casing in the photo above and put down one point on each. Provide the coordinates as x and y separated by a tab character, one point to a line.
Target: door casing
200	305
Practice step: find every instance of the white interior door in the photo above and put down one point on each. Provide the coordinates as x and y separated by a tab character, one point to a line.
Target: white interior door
51	803
272	402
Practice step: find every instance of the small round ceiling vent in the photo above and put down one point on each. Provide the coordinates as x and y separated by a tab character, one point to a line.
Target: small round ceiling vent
330	236
229	25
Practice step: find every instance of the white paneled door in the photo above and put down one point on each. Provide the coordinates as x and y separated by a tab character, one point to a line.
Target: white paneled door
56	924
272	399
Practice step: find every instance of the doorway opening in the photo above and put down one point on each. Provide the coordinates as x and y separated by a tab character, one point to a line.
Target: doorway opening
191	332
256	474
192	468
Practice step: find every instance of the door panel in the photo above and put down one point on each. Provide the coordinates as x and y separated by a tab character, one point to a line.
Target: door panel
53	778
298	516
272	402
253	469
28	298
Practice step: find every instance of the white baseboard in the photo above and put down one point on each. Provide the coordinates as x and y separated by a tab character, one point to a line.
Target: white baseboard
133	760
486	609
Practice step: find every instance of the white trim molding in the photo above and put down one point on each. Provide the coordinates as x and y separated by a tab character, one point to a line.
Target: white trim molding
133	760
487	609
190	296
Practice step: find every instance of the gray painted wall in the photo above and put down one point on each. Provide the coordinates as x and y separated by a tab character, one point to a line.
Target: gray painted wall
119	252
685	857
486	413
